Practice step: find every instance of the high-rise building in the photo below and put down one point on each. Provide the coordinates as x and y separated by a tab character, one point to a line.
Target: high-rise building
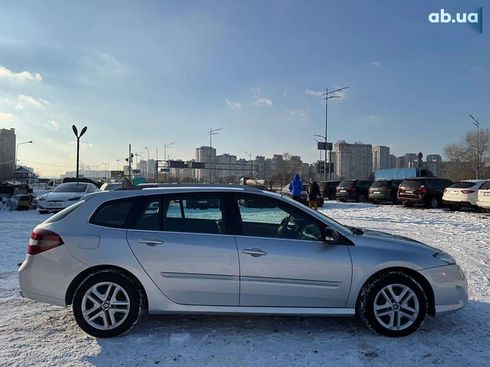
7	153
392	161
353	161
208	156
411	160
381	157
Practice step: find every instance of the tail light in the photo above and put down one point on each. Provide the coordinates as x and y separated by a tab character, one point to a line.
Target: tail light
468	191
43	240
423	190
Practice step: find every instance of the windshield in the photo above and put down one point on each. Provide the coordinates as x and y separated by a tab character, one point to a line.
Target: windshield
462	185
71	187
347	184
381	184
412	184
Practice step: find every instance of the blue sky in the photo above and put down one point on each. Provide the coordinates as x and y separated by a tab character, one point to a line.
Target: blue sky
151	72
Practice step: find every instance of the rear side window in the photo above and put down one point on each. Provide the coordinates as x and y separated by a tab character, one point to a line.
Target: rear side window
202	213
113	213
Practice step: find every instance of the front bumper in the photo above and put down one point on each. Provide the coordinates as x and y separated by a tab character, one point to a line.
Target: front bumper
53	207
450	287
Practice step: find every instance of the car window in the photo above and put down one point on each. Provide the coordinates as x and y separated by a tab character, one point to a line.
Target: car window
112	213
462	185
267	217
194	213
149	218
485	186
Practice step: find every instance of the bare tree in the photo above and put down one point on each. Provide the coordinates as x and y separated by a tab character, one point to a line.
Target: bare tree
472	155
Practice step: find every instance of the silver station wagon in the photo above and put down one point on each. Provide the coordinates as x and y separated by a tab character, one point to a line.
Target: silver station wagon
229	249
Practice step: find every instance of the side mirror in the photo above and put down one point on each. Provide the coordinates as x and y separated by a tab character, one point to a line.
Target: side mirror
330	235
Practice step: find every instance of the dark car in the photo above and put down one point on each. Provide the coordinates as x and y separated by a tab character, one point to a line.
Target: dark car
383	191
329	189
426	191
353	190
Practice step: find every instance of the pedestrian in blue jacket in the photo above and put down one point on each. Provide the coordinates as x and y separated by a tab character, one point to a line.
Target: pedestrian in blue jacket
296	186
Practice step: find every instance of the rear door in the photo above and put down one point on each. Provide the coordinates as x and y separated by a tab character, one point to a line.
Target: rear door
283	261
182	243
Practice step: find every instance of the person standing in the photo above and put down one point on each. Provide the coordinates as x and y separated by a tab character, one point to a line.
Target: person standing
313	194
295	187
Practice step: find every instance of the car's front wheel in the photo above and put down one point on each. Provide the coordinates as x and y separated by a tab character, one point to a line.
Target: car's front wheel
107	304
392	304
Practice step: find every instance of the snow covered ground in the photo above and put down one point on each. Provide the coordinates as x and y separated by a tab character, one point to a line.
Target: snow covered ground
33	334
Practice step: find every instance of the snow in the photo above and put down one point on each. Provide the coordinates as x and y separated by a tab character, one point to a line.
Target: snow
34	334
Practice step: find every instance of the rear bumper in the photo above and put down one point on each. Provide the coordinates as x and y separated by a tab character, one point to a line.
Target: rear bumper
483	204
457	203
346	196
411	199
380	197
450	287
45	277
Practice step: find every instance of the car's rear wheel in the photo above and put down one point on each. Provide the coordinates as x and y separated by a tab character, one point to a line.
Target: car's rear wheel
107	304
393	304
433	203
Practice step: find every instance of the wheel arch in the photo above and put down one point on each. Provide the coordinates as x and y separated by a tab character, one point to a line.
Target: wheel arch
75	283
419	278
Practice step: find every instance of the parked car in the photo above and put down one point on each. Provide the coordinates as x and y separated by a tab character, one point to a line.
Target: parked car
329	189
383	191
462	194
119	254
483	199
353	190
23	201
111	186
64	195
426	191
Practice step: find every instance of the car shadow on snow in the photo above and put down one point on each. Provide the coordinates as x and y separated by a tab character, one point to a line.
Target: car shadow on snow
196	339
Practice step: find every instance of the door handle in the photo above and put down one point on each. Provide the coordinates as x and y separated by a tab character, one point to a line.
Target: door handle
151	242
255	252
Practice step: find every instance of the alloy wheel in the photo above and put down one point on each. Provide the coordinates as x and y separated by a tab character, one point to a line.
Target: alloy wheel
396	307
105	306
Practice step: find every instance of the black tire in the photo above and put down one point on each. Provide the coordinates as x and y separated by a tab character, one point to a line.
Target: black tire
408	204
366	302
433	203
136	302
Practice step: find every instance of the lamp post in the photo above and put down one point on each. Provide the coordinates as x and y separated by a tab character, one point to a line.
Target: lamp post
212	132
476	122
326	96
17	150
75	131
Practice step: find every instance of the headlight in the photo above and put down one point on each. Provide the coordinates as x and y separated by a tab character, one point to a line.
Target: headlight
74	199
448	259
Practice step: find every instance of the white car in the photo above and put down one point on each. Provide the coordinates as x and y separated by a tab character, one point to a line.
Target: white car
64	195
483	199
462	194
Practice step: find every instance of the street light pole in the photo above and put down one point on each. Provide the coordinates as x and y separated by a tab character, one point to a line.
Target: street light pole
165	146
211	133
326	96
17	150
476	122
75	131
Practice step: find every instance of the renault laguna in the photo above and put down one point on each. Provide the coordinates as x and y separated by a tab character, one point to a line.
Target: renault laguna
229	250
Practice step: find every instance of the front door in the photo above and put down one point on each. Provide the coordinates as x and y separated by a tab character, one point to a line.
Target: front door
182	244
283	260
